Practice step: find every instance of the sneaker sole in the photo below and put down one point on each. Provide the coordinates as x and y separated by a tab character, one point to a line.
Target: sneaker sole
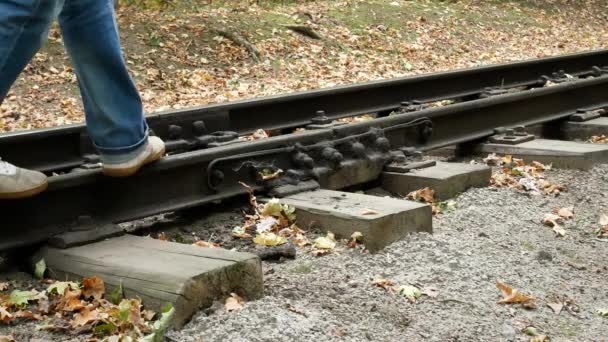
25	194
126	172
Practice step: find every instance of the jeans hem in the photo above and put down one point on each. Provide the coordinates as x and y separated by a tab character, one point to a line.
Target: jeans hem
122	150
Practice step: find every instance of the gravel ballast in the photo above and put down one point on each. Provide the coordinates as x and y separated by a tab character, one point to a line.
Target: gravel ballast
493	234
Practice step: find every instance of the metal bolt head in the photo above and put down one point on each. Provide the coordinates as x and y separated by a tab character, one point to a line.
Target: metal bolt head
199	127
175	132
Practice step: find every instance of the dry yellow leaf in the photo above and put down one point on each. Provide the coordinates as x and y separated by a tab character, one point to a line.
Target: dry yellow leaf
269	239
384	283
426	195
512	296
234	302
325	242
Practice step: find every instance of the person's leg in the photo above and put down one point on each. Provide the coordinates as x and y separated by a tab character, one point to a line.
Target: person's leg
23	28
113	107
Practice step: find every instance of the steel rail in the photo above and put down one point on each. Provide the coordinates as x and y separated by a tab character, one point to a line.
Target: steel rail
69	146
333	157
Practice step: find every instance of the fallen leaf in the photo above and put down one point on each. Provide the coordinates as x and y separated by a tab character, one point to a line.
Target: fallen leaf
7	338
369	212
266	224
325	242
566	212
554	221
356	238
27	314
603	220
272	208
93	287
234	302
426	195
162	236
511	296
239	232
559	230
86	316
70	301
492	159
602	312
267	174
59	287
39	269
205	244
412	293
161	325
5	316
269	239
556	307
3	286
383	283
530	331
21	298
551	220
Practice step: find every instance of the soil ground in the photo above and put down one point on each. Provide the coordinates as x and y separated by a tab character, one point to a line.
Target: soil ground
178	59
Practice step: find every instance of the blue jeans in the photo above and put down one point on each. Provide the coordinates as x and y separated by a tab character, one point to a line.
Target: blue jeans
112	105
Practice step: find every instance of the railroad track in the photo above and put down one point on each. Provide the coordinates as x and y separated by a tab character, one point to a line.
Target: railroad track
208	160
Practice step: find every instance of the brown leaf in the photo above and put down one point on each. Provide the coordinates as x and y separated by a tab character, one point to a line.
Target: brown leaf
70	301
511	296
384	283
86	316
5	316
233	302
426	195
162	236
27	314
93	287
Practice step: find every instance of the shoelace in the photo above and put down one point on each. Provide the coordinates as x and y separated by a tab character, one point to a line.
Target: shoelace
7	168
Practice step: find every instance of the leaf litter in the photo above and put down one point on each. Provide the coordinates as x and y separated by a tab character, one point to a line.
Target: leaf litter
67	305
516	174
557	218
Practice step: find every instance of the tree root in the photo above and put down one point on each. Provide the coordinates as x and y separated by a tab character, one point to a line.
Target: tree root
241	41
305	31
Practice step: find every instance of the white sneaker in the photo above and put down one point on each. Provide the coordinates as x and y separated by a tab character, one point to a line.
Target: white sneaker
16	182
116	166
